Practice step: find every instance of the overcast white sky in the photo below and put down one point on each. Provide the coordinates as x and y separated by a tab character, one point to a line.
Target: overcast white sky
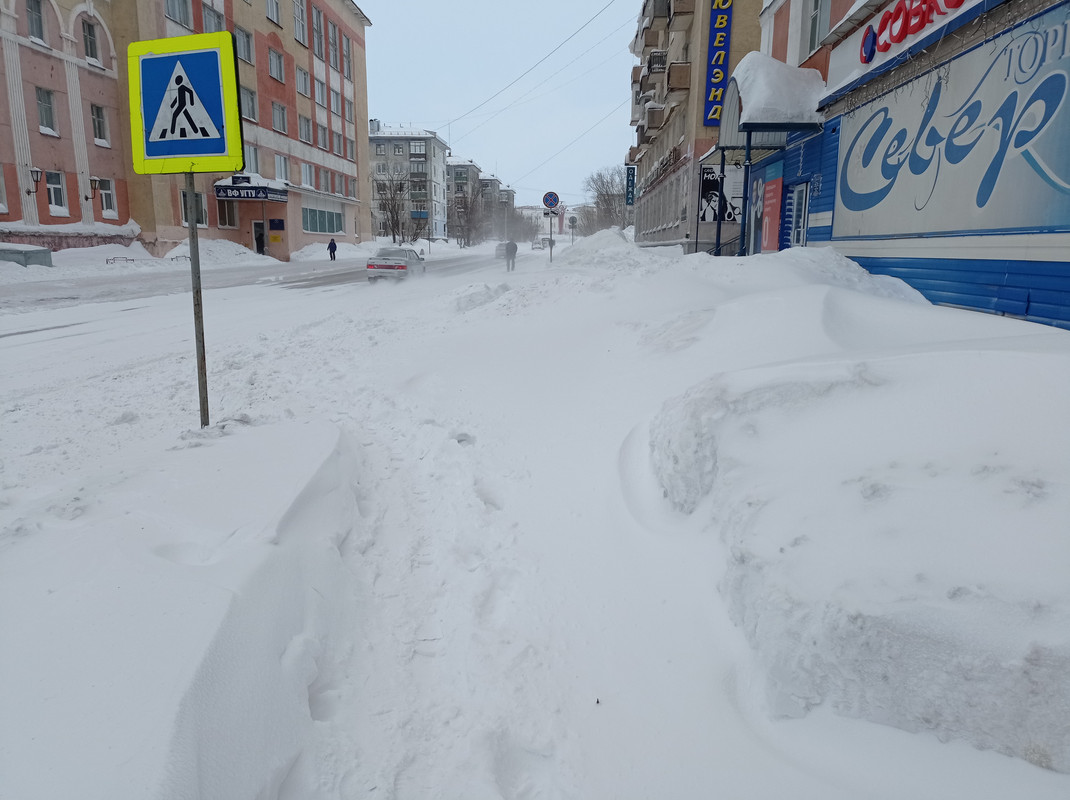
441	67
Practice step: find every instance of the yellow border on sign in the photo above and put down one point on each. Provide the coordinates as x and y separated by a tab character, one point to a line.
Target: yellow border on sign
233	160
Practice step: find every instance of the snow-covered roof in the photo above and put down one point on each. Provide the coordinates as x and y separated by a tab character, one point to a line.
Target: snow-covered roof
775	95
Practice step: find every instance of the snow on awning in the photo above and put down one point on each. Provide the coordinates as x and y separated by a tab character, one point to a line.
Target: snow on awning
775	96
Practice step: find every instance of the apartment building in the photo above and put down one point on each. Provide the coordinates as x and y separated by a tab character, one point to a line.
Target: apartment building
942	159
303	97
409	165
687	50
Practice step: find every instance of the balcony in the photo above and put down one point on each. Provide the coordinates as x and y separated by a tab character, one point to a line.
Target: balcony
681	14
418	214
679	78
657	61
655	116
658	11
637	73
418	195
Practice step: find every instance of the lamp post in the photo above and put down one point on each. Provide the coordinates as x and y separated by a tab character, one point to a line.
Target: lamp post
35	176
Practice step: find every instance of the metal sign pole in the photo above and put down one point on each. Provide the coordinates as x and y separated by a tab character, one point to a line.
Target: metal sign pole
198	310
551	237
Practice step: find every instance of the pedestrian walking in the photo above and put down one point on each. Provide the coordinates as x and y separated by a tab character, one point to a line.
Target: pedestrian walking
331	248
510	256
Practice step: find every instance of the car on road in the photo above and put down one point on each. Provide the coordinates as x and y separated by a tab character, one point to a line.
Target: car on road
395	263
537	244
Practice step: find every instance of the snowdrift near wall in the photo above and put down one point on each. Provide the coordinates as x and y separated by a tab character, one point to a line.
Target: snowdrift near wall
913	619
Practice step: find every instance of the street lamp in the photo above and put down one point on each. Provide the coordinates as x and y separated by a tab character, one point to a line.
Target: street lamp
94	184
35	176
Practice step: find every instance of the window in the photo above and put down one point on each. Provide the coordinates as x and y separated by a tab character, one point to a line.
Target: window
244	43
351	149
276	65
300	22
89	41
399	149
304	129
336	102
815	23
282	167
418	148
35	20
106	191
308	174
278	117
273	11
317	32
202	212
332	44
318	220
3	194
56	195
213	20
380	168
46	118
380	149
228	213
321	137
347	57
349	110
339	143
321	93
799	202
325	179
181	11
252	158
304	82
248	103
100	124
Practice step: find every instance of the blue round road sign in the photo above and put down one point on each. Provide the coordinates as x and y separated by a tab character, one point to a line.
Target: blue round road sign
550	200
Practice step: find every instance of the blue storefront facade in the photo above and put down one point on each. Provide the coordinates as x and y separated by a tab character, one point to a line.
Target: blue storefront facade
944	158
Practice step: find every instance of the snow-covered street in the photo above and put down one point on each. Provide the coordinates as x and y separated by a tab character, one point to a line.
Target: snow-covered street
628	525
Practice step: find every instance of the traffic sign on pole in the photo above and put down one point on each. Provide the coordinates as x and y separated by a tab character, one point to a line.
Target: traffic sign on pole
550	200
184	112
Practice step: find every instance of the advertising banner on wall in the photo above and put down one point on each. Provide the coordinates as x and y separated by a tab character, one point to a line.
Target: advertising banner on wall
977	145
719	45
771	201
721	198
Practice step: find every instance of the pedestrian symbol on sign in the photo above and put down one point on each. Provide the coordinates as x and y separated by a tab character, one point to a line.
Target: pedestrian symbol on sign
181	114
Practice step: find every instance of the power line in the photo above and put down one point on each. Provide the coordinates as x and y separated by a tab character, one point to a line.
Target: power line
530	69
567	146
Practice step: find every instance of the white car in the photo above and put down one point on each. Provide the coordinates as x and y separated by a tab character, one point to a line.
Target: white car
395	262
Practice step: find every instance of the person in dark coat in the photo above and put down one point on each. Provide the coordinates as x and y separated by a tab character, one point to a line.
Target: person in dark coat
510	256
260	242
331	247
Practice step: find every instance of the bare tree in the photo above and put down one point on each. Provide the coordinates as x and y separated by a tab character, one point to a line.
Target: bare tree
392	192
608	186
465	212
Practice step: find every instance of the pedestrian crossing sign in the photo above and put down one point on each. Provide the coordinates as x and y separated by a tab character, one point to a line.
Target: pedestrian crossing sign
184	113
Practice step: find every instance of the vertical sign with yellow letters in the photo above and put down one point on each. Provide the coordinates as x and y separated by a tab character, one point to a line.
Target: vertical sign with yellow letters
717	62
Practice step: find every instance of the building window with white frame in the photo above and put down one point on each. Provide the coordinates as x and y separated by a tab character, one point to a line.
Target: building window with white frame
276	65
57	197
300	22
304	129
399	149
418	148
213	20
89	42
351	149
321	137
252	158
349	110
278	117
304	82
247	99
339	143
106	191
181	11
243	42
282	167
380	149
800	201
35	20
332	45
100	125
321	93
3	194
317	33
228	213
347	57
815	23
46	115
308	174
336	102
274	13
202	211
